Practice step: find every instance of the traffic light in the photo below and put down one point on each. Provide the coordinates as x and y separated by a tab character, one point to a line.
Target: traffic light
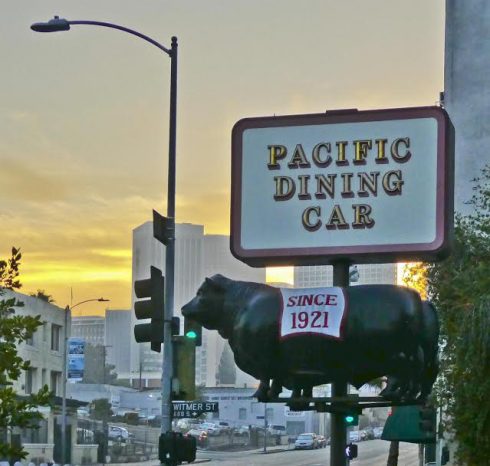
351	451
351	418
173	448
428	420
184	381
152	308
193	331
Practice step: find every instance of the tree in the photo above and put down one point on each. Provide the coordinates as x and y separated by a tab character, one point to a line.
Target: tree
226	374
101	409
460	288
15	329
42	295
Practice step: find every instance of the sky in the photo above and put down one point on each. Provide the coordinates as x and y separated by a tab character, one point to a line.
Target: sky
84	113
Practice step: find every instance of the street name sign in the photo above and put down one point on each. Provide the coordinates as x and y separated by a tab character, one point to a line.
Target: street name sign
193	409
370	186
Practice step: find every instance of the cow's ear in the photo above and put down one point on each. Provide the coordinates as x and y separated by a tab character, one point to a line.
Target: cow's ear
217	282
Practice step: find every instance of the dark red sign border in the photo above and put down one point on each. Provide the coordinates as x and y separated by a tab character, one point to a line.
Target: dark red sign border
435	250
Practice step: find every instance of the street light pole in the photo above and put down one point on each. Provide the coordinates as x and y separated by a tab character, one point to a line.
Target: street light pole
64	374
61	24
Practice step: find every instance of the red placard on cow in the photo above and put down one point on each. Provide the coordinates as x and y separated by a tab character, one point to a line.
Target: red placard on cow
314	311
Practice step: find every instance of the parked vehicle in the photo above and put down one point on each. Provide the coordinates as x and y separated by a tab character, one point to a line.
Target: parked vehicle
200	435
118	433
224	426
307	441
322	441
277	430
241	430
354	436
210	428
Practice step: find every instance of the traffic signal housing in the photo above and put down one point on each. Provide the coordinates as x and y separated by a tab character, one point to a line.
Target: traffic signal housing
351	418
184	380
428	420
152	307
351	451
193	331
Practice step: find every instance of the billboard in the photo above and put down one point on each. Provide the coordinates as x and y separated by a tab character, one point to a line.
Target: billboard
370	186
76	359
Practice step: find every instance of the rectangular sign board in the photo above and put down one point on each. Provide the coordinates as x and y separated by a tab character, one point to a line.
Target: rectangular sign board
370	186
192	409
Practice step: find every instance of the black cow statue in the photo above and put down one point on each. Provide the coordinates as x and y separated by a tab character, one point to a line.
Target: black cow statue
300	338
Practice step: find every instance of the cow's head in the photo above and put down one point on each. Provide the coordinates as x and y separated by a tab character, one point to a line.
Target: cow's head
207	307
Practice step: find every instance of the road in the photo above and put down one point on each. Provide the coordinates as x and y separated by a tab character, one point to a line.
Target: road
371	453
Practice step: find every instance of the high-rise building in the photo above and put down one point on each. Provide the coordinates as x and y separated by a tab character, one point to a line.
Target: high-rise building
322	275
90	328
118	334
196	256
467	90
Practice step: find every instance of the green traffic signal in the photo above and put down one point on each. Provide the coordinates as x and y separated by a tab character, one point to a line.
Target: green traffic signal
351	419
191	334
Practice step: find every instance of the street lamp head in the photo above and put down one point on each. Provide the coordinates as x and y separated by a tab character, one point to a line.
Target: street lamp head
53	25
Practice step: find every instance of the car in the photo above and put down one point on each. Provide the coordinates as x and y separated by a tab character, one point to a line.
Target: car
200	435
306	441
210	428
354	436
277	430
241	430
377	431
118	433
224	426
322	441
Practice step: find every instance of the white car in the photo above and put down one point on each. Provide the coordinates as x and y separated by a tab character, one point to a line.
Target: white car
210	428
118	433
354	436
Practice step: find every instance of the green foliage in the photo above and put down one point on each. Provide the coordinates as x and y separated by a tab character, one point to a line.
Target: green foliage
101	409
14	330
460	289
42	295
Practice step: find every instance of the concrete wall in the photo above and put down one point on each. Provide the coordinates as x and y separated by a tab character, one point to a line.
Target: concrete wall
467	89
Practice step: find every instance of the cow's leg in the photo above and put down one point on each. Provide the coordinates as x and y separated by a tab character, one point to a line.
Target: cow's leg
308	392
276	389
392	389
410	381
262	391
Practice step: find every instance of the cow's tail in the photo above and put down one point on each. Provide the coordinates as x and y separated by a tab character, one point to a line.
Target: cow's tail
430	347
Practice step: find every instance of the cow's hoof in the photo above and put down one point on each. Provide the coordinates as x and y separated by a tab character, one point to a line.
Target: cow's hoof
390	395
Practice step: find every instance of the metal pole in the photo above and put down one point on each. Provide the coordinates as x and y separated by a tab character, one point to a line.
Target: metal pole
339	388
265	427
167	366
63	387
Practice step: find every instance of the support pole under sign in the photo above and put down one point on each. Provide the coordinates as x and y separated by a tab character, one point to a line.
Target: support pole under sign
339	388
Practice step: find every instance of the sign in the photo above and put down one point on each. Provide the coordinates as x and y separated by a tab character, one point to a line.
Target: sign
314	311
192	409
76	359
374	186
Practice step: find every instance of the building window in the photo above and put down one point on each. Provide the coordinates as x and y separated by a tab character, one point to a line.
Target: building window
30	380
55	382
55	337
242	414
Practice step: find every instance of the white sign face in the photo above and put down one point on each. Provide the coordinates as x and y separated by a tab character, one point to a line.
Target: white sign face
365	184
313	311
